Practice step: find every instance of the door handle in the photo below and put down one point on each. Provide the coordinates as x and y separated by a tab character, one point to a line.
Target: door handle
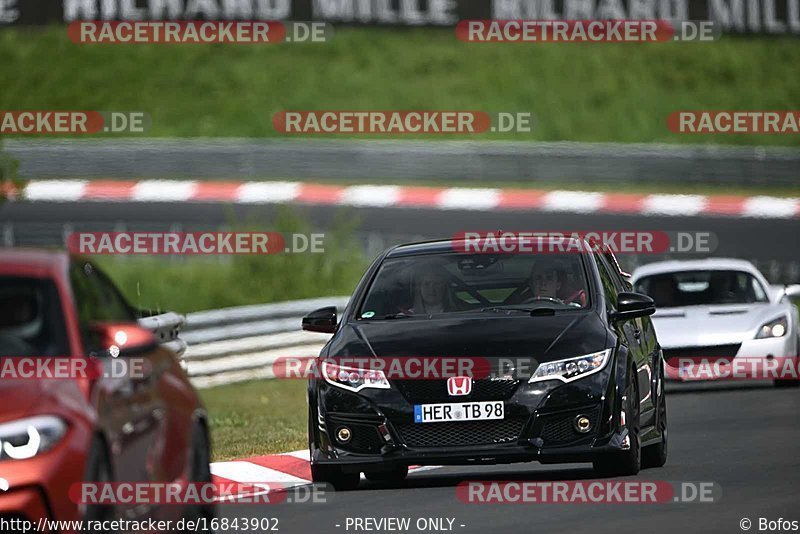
637	333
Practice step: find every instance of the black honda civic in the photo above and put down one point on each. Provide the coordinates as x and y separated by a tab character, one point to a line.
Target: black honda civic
448	355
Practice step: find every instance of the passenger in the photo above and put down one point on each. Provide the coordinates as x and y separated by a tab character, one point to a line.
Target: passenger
432	293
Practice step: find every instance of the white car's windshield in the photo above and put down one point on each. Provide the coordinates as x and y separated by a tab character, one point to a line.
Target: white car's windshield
453	283
698	288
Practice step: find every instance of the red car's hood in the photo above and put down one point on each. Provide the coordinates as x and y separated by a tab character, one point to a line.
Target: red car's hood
27	397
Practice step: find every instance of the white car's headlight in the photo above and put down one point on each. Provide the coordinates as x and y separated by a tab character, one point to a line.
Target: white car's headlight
776	328
352	378
572	368
25	438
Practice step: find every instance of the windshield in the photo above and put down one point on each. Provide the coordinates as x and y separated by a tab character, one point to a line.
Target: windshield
698	288
31	322
423	286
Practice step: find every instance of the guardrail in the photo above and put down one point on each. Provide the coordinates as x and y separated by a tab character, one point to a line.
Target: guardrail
496	161
242	343
166	327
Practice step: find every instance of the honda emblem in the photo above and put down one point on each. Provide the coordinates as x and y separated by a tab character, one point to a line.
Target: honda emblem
459	385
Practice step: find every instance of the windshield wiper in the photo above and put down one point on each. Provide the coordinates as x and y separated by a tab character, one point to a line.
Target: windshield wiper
533	311
398	315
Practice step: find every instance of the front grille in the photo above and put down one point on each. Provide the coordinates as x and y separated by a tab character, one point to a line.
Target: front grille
711	354
432	391
560	428
461	433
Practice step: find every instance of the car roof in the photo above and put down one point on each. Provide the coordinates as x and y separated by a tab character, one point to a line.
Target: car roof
708	264
442	246
35	259
422	247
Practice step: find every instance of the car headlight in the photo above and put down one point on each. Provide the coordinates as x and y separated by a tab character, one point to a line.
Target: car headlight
572	368
25	438
776	328
352	378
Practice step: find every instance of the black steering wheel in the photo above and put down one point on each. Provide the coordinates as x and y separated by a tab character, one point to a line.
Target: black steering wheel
544	299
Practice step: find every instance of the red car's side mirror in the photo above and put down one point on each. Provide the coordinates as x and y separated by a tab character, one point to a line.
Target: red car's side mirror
119	339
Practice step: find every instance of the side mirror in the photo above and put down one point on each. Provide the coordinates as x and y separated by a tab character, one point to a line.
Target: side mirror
321	320
119	339
633	305
791	292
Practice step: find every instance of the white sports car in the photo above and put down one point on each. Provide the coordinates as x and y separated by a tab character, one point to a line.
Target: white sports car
720	313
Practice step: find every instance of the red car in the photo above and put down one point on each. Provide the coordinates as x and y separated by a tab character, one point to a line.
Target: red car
145	427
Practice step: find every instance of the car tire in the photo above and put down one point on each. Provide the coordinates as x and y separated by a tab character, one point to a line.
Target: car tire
656	455
627	462
200	473
333	475
393	477
98	469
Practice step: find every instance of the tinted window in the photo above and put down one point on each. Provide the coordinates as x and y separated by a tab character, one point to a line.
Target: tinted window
96	297
607	280
31	318
694	288
454	283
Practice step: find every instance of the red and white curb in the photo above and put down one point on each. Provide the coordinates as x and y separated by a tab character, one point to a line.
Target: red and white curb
284	471
452	198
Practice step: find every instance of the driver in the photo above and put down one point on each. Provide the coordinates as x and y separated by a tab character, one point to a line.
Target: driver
546	284
549	280
573	291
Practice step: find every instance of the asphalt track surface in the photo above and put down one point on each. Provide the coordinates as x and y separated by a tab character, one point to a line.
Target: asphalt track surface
751	238
745	439
742	437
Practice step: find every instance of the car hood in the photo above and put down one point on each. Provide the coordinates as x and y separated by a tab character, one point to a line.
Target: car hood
705	326
543	338
29	397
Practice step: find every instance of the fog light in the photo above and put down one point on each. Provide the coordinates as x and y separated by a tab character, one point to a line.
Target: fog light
583	424
343	434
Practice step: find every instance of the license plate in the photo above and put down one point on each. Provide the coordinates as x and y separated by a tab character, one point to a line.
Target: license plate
458	411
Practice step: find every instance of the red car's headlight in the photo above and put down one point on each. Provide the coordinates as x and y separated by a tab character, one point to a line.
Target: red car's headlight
25	438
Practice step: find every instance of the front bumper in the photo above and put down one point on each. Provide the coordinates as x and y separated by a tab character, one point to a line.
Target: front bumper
39	486
538	426
735	361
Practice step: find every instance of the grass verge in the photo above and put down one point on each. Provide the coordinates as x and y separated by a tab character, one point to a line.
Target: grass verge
192	283
256	418
578	92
